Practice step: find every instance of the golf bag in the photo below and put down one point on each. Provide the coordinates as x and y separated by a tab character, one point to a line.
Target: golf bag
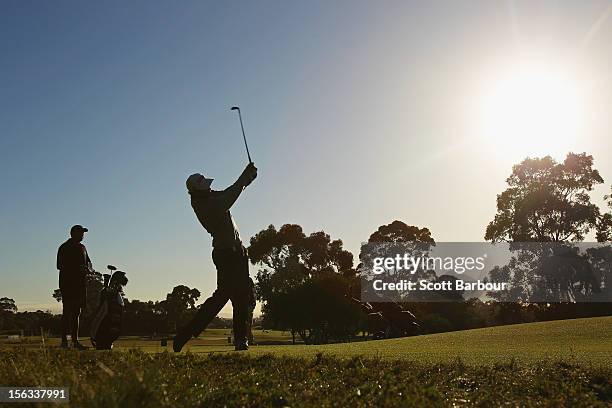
387	320
106	326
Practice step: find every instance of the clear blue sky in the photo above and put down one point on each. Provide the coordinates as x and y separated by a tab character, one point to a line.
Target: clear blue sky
357	113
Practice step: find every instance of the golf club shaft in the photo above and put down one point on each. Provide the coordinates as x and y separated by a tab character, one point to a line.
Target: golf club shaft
244	137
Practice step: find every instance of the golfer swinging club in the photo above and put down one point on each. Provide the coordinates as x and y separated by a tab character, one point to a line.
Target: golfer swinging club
212	209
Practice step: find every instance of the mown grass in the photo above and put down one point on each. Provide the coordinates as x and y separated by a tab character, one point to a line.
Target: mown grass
575	341
562	363
138	379
209	340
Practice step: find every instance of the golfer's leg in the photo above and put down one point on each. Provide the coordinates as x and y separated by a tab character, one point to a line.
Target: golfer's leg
243	299
242	317
207	312
250	308
74	323
64	322
247	299
239	320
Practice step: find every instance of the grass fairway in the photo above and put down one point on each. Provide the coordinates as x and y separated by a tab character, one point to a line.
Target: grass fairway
582	341
561	363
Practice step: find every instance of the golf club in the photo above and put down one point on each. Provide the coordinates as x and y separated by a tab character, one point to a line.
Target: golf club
243	135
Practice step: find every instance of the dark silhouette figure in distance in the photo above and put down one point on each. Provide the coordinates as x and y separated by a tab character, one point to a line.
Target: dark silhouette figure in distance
73	264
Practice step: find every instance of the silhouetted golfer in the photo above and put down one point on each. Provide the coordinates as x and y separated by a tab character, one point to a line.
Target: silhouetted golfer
229	255
73	263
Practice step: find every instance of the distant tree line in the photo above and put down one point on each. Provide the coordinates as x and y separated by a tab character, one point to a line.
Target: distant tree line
308	284
146	318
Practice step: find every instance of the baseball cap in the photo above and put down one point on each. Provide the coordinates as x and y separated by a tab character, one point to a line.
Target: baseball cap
198	182
77	227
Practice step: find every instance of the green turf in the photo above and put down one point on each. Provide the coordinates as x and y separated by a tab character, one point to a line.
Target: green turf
577	340
138	379
209	340
561	363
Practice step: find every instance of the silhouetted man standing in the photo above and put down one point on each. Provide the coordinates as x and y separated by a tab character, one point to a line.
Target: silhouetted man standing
73	263
229	255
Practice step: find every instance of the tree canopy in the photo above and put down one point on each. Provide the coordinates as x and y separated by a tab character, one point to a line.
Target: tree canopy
547	201
7	305
604	225
298	274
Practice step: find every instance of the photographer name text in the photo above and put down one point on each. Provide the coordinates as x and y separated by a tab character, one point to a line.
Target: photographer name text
425	285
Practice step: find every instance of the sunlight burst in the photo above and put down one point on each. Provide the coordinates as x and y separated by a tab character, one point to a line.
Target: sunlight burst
533	112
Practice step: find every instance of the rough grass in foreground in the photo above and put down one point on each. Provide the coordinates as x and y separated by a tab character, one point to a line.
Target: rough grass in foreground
139	379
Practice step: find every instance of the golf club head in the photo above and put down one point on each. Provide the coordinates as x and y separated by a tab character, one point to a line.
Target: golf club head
235	108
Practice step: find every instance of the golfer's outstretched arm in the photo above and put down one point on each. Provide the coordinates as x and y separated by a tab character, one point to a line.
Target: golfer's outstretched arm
228	197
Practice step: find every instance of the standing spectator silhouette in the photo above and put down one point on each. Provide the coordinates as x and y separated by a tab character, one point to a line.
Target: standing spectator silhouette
212	209
73	263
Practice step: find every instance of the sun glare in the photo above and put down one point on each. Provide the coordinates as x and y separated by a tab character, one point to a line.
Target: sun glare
532	112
